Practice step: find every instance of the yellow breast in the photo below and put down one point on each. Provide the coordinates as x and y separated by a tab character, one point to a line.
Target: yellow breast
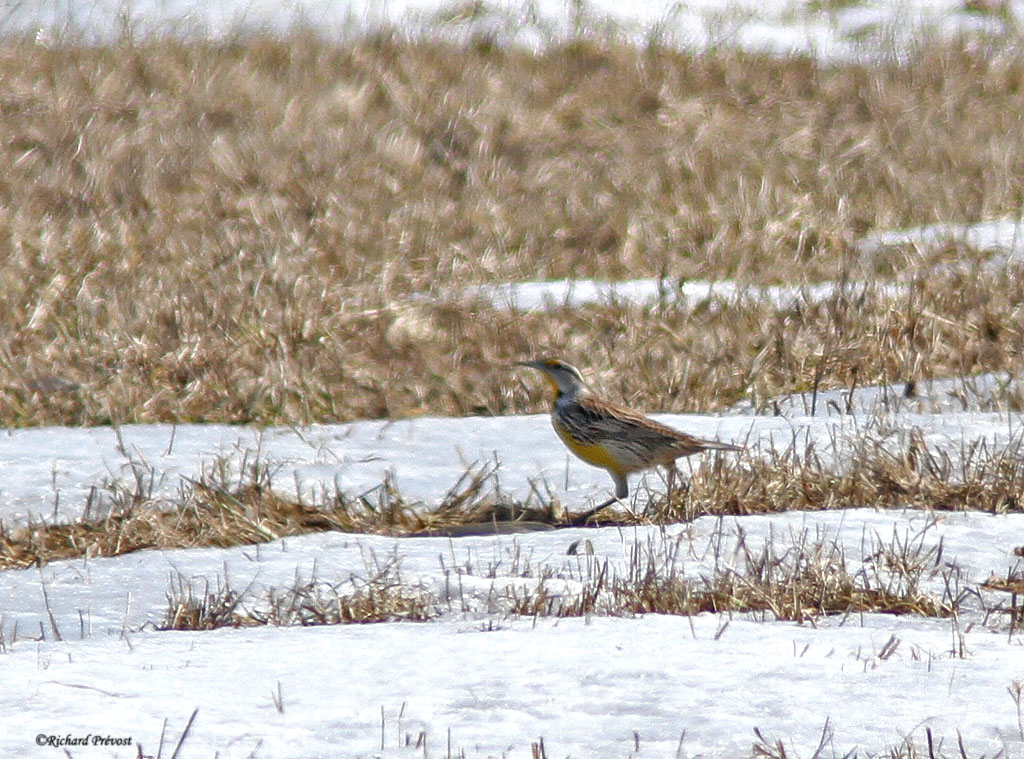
592	453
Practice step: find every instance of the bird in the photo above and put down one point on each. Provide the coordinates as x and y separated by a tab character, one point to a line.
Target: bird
612	437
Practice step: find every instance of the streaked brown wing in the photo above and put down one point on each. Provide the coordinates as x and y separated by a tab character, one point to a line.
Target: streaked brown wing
610	424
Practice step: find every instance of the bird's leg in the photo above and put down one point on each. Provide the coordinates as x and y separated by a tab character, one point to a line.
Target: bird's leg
585	516
621	492
684	483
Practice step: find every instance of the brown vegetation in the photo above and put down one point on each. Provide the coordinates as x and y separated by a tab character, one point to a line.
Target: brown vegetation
214	513
799	577
233	231
979	477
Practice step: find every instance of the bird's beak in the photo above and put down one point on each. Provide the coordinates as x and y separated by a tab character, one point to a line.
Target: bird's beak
544	370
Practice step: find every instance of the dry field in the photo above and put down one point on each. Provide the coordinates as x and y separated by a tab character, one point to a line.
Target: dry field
270	231
197	231
267	231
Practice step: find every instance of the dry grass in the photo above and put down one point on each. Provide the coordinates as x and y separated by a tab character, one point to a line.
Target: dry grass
763	747
979	477
928	748
800	577
207	517
220	511
214	512
382	597
230	231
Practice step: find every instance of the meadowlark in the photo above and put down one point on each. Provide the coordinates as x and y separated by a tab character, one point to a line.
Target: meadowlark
612	437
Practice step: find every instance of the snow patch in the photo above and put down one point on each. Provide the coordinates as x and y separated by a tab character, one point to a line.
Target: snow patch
576	293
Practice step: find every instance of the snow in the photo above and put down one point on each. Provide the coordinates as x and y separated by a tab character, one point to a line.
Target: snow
989	392
847	31
55	474
1003	239
499	682
51	472
574	293
588	687
82	656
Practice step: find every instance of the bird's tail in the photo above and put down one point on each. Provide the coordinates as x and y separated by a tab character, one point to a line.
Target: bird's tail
716	445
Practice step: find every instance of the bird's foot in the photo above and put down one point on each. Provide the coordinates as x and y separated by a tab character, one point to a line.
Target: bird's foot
586	517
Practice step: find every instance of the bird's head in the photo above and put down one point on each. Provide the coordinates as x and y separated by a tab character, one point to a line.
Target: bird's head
565	379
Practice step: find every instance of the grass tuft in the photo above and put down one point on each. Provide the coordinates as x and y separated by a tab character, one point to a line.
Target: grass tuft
380	597
800	579
222	511
910	474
